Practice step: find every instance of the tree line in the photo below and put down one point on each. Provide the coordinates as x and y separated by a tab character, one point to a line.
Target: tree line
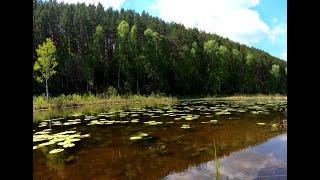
139	54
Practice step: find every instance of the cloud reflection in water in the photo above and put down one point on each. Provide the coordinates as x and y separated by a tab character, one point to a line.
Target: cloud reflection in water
265	160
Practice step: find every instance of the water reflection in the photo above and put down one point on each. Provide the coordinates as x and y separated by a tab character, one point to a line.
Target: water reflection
267	160
109	153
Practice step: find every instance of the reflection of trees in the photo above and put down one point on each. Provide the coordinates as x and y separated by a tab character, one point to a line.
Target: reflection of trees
54	162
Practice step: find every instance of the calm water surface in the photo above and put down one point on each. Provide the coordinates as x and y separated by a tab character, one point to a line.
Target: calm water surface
245	149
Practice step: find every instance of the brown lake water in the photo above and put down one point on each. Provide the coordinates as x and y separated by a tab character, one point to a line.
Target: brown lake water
162	142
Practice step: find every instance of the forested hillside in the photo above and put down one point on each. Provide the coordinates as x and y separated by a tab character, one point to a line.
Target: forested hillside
137	53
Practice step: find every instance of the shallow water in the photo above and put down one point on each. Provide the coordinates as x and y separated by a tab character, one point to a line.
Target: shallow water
264	161
245	149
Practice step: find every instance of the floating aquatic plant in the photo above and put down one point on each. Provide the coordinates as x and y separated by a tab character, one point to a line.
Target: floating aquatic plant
94	122
138	136
153	123
46	144
42	132
261	124
135	137
67	145
211	122
185	126
56	151
135	120
191	117
254	112
214	121
84	136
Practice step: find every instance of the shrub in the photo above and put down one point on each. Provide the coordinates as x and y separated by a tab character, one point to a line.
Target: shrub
111	92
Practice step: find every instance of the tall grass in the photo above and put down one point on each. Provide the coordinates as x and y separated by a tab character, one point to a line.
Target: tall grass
251	97
217	161
65	101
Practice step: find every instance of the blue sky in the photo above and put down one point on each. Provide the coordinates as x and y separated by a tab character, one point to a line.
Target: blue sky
258	23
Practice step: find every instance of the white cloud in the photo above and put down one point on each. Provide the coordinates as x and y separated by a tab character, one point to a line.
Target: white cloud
116	4
284	55
276	31
230	18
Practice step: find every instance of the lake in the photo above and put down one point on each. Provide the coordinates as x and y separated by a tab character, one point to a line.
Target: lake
176	141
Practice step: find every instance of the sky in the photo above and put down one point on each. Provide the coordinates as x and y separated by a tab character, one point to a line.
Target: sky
258	23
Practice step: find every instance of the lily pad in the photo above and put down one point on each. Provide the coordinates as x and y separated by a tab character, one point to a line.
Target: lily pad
85	136
135	120
214	121
138	136
185	126
46	144
56	151
152	123
261	124
135	137
68	145
42	132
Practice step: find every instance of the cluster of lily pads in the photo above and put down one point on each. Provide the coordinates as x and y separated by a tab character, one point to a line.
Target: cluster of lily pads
184	110
190	117
274	127
64	139
152	123
180	112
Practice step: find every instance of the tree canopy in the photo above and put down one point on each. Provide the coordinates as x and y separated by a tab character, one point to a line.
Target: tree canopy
46	62
138	53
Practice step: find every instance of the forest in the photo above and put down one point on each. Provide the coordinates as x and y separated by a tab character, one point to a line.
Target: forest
98	48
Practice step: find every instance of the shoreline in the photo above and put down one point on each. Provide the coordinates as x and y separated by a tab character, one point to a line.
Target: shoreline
67	102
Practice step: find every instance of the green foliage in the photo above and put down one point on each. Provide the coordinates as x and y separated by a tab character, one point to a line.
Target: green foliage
249	59
133	33
148	32
210	47
123	29
111	92
46	61
286	70
235	53
141	54
223	51
275	70
63	101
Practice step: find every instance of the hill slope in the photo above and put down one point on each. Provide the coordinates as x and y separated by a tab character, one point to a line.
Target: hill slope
132	52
